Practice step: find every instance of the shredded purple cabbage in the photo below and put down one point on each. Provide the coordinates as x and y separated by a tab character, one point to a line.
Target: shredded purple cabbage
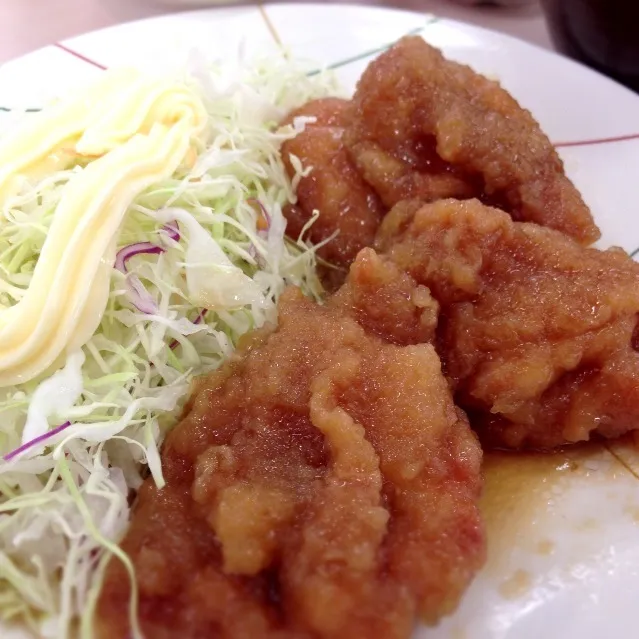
201	316
36	441
139	296
172	229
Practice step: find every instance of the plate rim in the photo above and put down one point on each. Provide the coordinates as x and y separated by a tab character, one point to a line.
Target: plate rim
263	9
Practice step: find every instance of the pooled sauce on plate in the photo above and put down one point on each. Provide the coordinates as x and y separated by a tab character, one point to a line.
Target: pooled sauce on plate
524	498
521	481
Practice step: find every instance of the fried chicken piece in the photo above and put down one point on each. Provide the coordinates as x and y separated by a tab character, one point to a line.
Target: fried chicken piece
428	128
405	168
387	302
334	187
535	332
321	485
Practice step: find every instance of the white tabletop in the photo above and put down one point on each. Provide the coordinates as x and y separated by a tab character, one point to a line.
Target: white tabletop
30	24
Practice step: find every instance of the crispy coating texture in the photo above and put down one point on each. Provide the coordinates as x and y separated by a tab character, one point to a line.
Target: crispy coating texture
429	128
409	169
321	485
536	331
346	203
387	302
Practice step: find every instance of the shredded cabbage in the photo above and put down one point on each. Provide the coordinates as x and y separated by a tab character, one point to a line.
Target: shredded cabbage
64	502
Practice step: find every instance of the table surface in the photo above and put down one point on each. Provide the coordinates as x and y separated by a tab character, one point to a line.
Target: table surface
30	24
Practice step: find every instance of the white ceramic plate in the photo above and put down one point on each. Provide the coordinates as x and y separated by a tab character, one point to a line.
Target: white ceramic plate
563	534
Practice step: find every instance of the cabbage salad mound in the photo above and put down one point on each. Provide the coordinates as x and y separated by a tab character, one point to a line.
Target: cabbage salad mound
141	236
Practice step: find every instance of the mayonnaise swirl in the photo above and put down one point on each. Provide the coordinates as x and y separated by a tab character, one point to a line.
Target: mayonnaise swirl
142	129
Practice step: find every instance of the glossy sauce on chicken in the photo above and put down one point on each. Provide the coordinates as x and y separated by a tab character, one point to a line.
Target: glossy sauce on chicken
322	484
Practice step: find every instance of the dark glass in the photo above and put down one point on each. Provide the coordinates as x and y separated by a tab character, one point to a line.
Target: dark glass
604	34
